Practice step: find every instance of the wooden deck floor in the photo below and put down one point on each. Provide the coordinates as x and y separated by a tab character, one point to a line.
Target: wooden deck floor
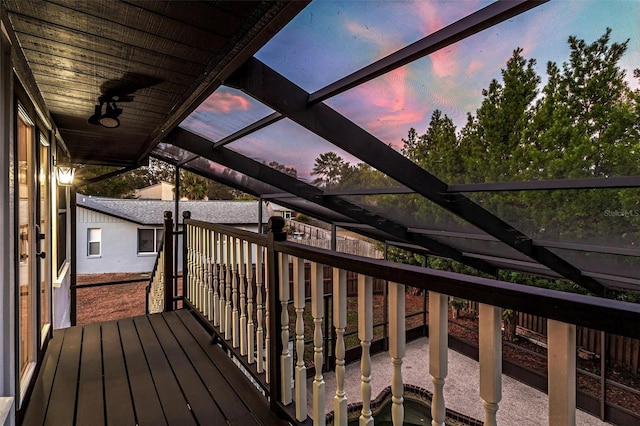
150	370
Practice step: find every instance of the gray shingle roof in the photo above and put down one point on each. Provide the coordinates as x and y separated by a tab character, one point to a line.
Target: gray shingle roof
151	212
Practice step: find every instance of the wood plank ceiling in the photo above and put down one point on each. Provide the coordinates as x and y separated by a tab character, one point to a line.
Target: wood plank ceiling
160	59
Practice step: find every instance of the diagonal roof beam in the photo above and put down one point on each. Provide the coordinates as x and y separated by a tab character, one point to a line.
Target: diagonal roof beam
203	147
267	121
274	90
482	19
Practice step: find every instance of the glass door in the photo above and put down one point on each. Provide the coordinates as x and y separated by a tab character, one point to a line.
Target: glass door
43	237
27	301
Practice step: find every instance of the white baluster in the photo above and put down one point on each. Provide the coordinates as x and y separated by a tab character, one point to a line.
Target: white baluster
242	274
222	273
228	276
365	334
490	343
199	269
340	323
251	335
438	355
267	318
216	279
286	361
317	312
561	340
235	316
397	349
210	265
259	311
301	370
206	275
189	254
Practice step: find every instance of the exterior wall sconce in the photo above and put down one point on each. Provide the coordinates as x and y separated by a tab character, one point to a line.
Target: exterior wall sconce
65	175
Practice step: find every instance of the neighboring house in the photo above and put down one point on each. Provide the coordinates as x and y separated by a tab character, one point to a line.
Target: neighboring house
281	211
159	191
123	235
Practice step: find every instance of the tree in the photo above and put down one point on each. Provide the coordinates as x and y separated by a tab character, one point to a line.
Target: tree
328	167
192	186
291	171
219	191
492	139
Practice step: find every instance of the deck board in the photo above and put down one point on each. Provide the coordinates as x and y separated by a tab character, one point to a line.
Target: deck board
148	370
117	395
174	404
146	402
90	410
243	388
61	409
231	404
196	392
42	389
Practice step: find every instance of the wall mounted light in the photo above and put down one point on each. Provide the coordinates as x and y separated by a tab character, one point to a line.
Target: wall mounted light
65	175
110	118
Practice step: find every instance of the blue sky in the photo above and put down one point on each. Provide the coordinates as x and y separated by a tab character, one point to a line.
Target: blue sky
330	39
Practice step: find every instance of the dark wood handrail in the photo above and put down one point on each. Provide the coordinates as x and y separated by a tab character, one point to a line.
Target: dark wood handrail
613	316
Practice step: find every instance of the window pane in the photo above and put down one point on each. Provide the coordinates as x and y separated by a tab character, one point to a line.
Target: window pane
94	248
159	236
145	241
94	237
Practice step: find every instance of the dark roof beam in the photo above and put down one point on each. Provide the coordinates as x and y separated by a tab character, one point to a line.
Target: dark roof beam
268	120
264	84
201	146
484	18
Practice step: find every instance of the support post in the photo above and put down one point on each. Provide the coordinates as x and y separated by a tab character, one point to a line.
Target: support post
317	312
275	232
438	355
73	308
490	338
561	339
168	261
340	408
365	333
397	348
301	370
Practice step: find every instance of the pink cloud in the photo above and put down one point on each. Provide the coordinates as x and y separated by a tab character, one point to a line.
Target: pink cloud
428	15
474	66
444	62
224	102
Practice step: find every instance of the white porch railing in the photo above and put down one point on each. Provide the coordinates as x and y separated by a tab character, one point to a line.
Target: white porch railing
239	282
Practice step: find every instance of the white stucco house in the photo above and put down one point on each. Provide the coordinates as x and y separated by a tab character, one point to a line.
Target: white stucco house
123	235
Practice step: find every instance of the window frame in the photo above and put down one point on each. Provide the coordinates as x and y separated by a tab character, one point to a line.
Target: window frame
91	240
157	239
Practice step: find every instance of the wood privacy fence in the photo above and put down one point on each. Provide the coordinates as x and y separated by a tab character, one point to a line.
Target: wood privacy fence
623	351
321	238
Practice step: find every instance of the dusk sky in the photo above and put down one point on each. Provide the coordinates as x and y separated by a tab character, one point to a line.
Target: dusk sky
330	39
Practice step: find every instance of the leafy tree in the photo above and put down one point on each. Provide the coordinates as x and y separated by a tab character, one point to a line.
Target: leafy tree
219	191
438	150
492	138
192	186
291	171
584	122
328	167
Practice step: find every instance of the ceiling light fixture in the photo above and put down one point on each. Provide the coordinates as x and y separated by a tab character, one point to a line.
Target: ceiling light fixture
110	118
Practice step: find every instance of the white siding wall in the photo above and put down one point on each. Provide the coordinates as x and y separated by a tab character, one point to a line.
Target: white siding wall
119	245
